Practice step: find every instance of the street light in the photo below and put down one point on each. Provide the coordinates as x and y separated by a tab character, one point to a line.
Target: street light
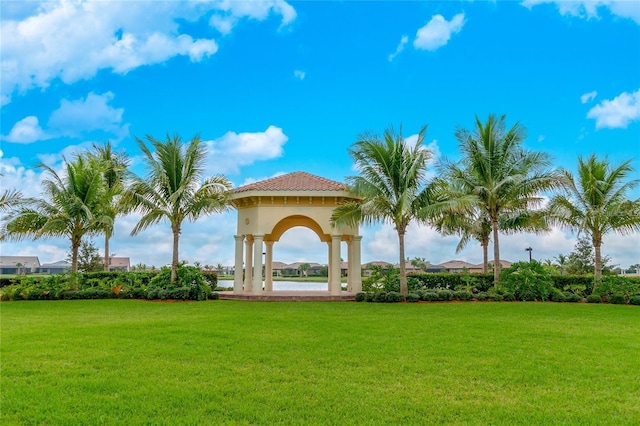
529	249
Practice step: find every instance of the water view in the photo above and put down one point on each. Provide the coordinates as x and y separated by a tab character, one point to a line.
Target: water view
287	285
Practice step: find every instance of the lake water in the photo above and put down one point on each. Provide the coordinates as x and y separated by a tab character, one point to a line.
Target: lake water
286	285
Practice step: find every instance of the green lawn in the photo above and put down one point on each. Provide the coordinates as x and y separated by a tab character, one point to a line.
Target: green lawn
216	362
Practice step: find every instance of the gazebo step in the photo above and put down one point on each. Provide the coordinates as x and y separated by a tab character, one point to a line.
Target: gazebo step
289	296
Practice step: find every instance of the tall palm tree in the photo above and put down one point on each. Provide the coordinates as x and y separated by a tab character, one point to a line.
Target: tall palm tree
505	179
595	203
392	185
114	168
70	207
174	189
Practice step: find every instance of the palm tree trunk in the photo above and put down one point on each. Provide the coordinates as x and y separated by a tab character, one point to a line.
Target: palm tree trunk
75	246
403	268
496	254
597	274
485	255
106	253
174	261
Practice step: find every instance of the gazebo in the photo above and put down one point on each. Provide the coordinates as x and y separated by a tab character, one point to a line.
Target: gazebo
268	208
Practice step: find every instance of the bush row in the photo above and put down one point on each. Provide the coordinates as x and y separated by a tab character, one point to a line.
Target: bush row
191	284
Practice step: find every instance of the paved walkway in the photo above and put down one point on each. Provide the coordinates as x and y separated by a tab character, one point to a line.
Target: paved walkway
290	296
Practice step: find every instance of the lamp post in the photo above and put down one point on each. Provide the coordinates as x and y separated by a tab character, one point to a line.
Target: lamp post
529	249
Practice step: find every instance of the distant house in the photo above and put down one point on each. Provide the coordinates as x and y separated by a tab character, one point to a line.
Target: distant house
59	267
19	264
118	263
368	267
456	266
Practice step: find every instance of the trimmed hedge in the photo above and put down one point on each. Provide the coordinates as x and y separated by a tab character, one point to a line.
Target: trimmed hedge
449	281
190	285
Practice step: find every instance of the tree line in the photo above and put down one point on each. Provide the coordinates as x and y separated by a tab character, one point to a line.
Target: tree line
496	187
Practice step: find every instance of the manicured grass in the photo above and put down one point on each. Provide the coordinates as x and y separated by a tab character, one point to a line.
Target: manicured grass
217	362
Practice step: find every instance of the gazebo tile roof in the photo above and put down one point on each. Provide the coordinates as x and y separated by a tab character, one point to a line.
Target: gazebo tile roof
296	181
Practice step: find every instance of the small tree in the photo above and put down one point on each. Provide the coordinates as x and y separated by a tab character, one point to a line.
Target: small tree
304	267
89	259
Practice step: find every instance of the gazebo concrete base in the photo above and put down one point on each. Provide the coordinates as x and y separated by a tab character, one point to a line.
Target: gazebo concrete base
289	296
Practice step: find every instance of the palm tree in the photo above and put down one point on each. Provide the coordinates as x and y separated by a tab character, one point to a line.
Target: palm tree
9	199
174	189
114	168
562	261
469	226
70	207
504	178
595	203
392	185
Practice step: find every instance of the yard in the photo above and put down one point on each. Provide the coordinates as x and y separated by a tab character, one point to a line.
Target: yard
217	362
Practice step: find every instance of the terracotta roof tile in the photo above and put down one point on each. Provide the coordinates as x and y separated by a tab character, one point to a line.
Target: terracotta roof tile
296	181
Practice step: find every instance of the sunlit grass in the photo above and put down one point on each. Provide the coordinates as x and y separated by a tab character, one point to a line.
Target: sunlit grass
136	362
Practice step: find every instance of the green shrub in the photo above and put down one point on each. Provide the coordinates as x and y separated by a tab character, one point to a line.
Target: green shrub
615	284
499	298
380	297
413	297
634	300
394	297
571	297
463	295
360	296
594	298
369	297
527	281
445	295
214	296
557	295
482	296
617	299
429	296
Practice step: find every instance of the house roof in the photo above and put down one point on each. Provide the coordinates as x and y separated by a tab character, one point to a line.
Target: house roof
11	261
58	264
456	264
296	181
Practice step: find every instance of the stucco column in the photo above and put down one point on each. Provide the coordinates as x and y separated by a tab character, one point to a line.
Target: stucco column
334	265
257	262
268	270
329	266
248	264
349	265
355	265
237	274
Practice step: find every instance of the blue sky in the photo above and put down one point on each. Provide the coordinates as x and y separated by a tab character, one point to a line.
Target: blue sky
275	87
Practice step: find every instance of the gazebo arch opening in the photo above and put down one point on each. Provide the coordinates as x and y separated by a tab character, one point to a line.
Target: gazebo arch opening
295	221
308	248
267	209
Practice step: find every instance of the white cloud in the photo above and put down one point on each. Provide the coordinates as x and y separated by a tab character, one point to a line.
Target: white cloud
403	41
589	9
300	75
27	130
77	117
587	97
74	118
437	32
72	41
230	12
234	150
617	112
